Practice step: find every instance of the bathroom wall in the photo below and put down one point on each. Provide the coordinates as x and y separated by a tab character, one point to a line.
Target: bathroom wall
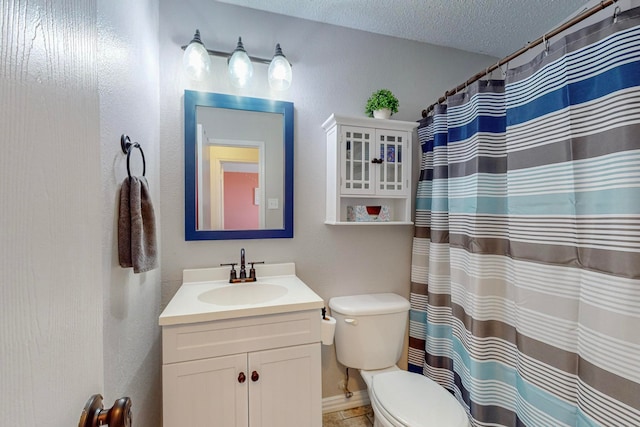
50	215
127	66
74	76
334	71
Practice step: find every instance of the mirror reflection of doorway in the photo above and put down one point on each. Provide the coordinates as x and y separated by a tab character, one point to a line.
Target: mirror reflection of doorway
240	196
230	124
237	184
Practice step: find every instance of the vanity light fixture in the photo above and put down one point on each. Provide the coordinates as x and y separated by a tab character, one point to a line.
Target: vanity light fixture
240	67
279	71
197	64
196	61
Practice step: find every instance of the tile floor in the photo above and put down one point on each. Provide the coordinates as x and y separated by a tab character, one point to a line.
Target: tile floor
355	417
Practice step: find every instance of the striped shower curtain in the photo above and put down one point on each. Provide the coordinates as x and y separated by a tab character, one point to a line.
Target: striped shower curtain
526	258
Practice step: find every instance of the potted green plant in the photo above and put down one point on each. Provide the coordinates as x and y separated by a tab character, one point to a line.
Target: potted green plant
382	104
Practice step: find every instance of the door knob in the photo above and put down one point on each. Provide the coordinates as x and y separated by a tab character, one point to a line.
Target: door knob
254	376
241	377
94	414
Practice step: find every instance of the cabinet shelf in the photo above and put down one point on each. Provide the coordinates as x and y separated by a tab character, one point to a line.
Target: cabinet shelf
368	164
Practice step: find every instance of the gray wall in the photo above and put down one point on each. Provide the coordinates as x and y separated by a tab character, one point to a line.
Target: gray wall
334	71
128	85
74	76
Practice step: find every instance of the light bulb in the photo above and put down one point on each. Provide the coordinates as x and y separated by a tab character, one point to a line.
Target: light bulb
196	61
240	67
279	71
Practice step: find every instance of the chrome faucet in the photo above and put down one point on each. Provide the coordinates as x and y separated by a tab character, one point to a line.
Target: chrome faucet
243	270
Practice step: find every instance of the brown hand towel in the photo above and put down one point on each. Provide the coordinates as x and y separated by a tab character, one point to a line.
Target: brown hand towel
137	245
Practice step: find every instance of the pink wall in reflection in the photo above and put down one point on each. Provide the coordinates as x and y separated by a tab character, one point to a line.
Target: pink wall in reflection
240	212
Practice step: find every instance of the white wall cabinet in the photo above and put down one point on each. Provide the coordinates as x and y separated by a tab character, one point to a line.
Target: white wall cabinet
368	164
260	371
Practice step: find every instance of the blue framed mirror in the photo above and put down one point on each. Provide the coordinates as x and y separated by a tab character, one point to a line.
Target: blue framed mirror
238	167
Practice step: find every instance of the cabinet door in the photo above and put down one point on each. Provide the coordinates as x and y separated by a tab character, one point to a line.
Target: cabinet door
288	392
207	392
355	157
391	174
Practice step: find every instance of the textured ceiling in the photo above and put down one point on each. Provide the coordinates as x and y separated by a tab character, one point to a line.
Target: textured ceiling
492	27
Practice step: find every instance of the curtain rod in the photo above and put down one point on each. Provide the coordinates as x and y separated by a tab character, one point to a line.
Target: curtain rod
544	39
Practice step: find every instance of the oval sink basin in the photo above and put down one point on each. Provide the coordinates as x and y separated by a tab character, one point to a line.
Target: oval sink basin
243	294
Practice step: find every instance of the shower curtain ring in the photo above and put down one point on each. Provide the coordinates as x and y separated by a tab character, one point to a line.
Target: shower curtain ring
616	11
503	71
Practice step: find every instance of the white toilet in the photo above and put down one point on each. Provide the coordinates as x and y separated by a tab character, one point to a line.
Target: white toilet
370	332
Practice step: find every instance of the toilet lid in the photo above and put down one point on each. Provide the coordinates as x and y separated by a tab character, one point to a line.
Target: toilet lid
415	400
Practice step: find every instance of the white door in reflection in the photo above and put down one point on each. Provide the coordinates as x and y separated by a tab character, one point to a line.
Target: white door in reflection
232	179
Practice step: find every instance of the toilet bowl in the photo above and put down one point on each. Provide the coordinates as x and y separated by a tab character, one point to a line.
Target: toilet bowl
370	332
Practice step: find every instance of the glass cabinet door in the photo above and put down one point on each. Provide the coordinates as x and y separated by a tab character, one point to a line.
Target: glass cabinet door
391	178
356	152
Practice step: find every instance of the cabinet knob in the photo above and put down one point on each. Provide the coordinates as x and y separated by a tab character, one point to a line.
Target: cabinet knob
241	377
254	376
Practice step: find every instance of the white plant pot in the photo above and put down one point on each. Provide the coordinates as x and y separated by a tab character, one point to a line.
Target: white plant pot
385	113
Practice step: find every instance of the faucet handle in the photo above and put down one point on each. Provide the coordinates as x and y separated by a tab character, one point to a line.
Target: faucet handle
232	273
252	271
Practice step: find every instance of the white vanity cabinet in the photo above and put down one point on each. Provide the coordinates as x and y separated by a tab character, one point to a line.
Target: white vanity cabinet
255	371
368	164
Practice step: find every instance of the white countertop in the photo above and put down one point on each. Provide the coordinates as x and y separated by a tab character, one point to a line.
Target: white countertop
185	307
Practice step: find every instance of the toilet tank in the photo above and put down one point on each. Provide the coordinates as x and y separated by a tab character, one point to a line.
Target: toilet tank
370	329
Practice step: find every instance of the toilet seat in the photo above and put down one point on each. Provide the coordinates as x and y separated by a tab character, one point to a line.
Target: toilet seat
404	399
381	417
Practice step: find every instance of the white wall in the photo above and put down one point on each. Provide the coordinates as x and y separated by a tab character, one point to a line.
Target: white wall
128	86
50	215
334	71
